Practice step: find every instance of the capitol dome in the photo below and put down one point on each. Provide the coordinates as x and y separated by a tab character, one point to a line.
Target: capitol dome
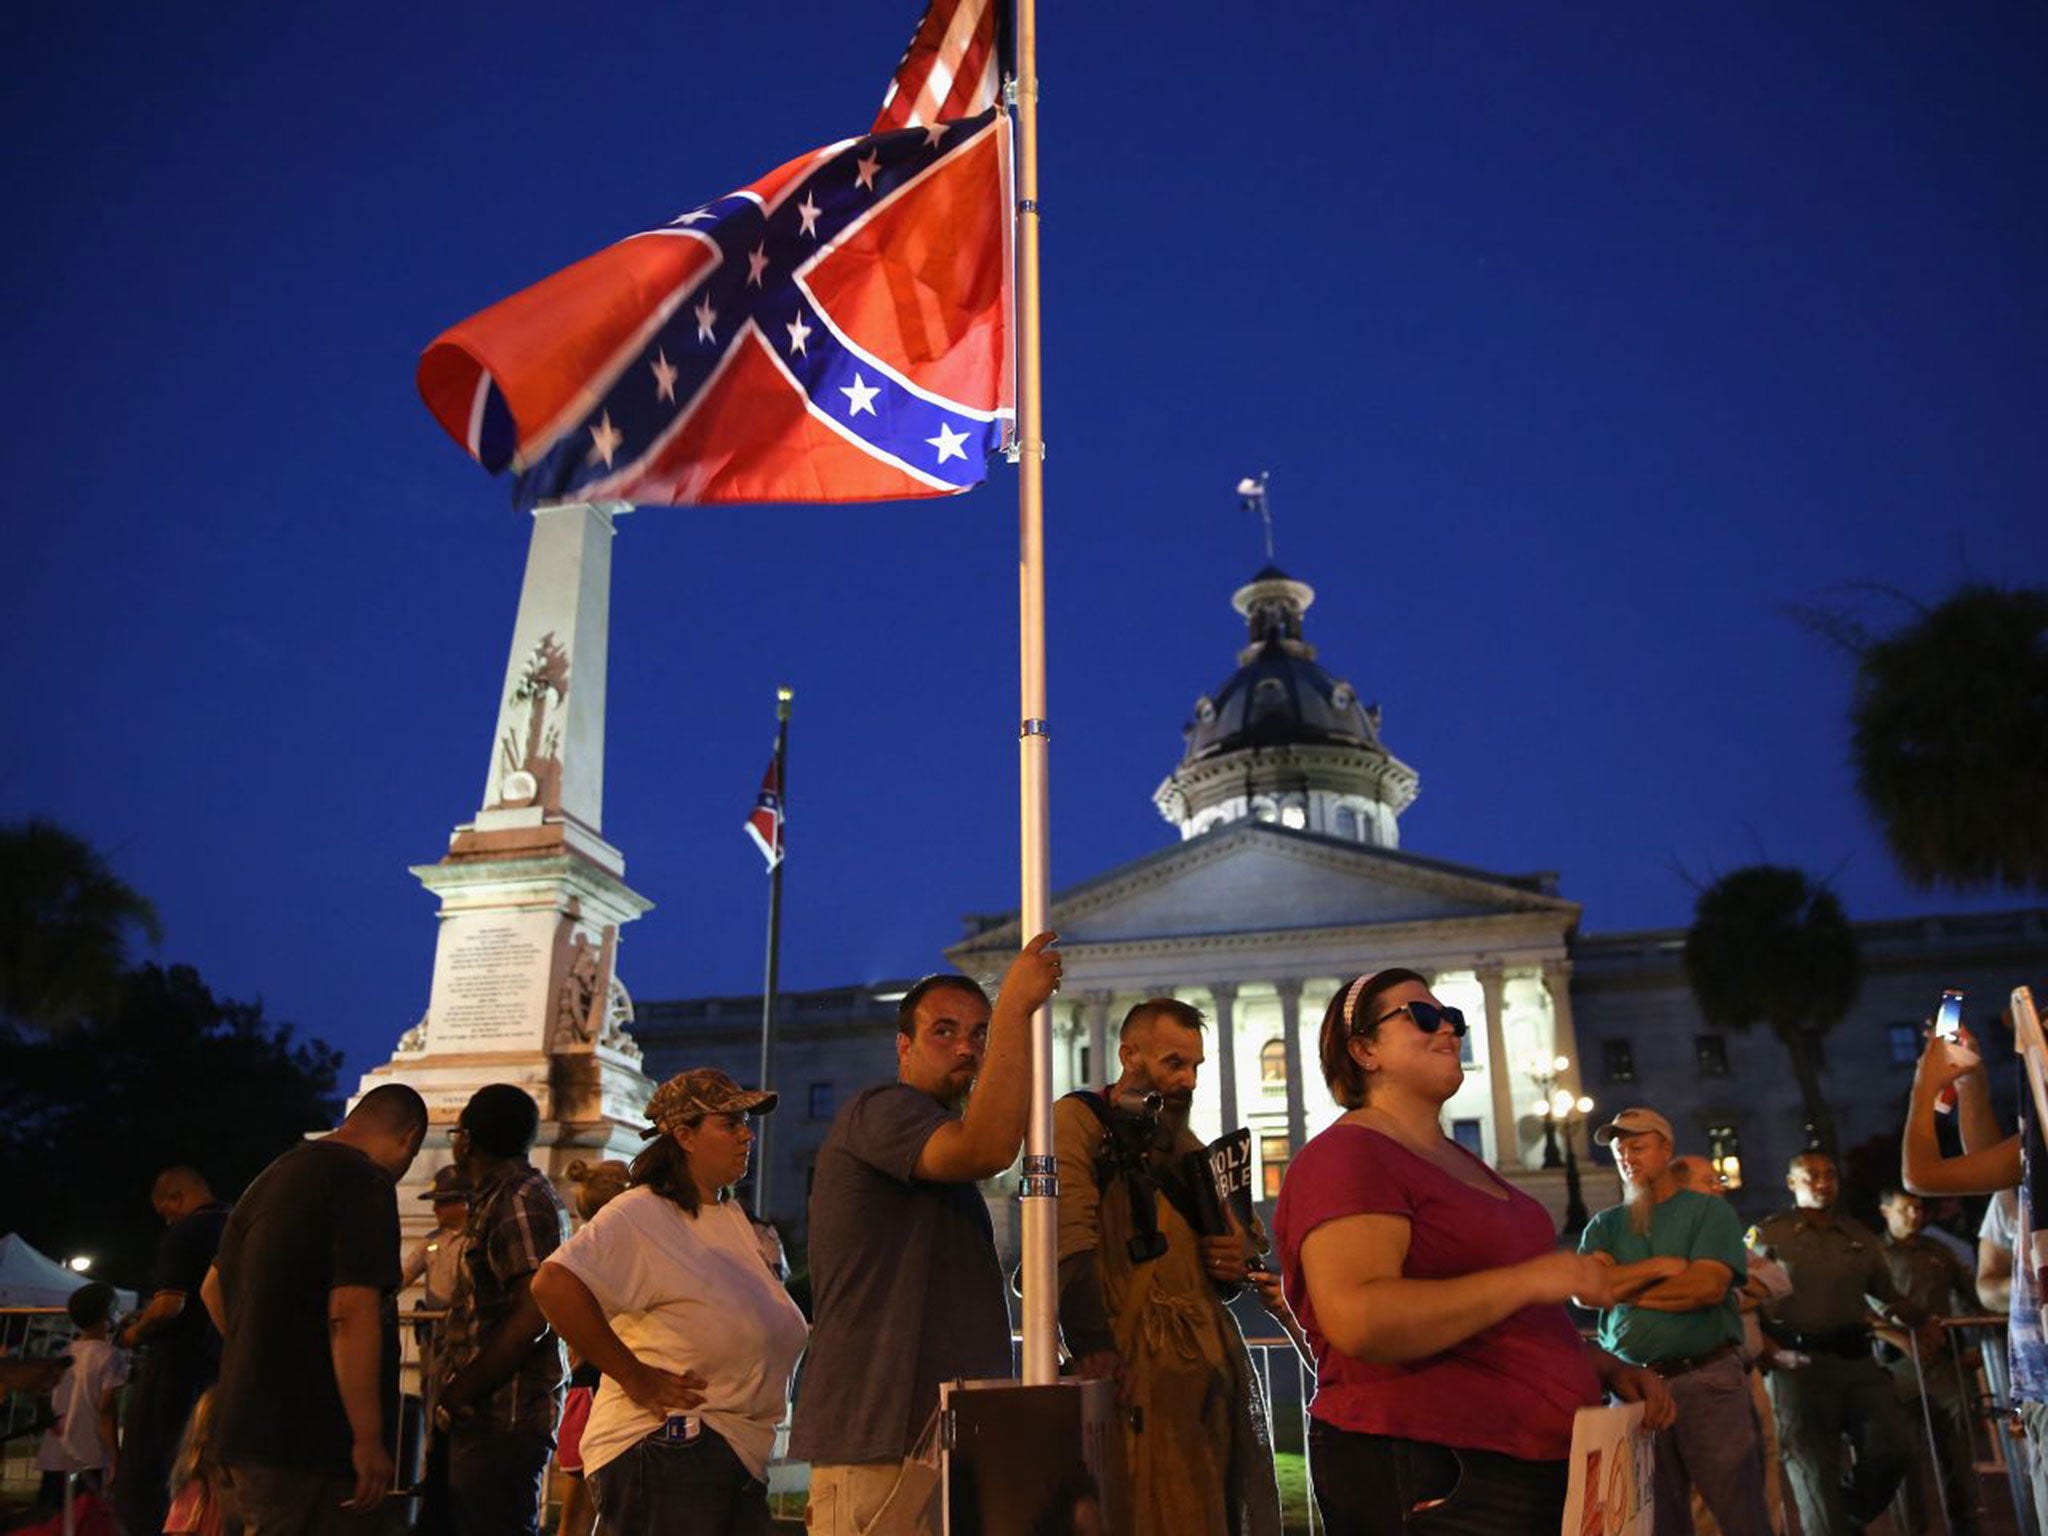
1282	740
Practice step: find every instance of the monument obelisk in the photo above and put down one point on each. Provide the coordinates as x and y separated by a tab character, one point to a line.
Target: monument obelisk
526	987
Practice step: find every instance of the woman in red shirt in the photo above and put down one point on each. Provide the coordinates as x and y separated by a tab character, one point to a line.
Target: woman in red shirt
1432	1292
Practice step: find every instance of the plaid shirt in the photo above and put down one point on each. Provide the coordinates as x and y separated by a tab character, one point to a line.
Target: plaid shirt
515	1221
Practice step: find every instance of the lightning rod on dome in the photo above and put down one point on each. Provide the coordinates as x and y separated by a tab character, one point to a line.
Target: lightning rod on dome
1251	495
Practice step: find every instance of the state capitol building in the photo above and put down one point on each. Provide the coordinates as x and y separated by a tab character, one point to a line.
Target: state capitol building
1288	877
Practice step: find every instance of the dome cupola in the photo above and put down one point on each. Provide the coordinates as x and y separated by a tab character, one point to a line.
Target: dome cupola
1282	740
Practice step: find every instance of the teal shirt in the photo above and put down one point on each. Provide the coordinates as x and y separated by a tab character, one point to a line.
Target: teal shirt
1688	1226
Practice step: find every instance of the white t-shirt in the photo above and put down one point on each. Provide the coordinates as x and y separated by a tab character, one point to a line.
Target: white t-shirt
688	1293
73	1444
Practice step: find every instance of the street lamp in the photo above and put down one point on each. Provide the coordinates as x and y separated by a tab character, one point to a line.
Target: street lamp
78	1264
1558	1108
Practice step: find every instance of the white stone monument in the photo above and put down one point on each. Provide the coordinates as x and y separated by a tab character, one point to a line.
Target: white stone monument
526	986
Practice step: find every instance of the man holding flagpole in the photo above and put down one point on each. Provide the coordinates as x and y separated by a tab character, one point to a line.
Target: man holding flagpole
908	1290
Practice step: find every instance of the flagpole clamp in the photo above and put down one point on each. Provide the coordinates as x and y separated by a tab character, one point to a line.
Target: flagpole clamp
1035	728
1028	205
1041	1179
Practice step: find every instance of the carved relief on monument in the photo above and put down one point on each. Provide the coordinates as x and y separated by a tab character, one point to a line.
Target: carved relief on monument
618	1014
591	1006
532	768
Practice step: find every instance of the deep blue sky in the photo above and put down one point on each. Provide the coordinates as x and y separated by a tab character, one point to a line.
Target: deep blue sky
1581	341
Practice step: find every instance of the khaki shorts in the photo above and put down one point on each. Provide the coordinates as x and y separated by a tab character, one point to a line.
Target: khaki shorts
873	1498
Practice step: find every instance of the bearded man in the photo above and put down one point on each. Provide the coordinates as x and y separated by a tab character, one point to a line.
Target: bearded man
1680	1258
1142	1289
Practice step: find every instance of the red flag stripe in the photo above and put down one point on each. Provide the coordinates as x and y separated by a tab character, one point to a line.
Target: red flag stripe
949	69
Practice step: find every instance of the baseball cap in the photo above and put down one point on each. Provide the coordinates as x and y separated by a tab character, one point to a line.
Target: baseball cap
1632	1122
447	1185
703	1091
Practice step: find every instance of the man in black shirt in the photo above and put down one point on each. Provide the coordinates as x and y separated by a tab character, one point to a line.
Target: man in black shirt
304	1294
180	1350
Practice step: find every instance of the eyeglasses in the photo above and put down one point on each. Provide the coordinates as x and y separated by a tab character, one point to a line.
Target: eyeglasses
1428	1018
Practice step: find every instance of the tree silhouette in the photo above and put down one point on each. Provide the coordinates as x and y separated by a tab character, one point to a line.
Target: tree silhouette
169	1074
65	923
1769	946
1950	739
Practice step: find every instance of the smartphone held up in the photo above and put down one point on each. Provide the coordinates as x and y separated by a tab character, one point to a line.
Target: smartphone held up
1948	1029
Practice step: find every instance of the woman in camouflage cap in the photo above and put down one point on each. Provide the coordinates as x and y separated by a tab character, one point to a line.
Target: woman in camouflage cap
666	1292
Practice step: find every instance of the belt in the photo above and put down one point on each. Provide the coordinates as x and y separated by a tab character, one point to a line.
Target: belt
1682	1365
1844	1344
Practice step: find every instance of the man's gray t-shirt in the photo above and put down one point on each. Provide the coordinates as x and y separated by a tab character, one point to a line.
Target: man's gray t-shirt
906	1287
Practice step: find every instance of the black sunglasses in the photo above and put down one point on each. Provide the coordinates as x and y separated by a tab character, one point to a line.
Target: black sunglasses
1428	1018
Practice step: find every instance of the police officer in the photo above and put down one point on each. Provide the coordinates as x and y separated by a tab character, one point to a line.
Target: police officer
1933	1279
1838	1275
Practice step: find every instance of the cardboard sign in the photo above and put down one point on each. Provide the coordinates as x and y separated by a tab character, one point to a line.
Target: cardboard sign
1612	1455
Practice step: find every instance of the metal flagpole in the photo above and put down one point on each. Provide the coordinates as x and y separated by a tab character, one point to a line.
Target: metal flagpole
1041	1186
768	987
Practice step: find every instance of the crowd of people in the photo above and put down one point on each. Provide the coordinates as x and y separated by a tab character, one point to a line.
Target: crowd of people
653	1352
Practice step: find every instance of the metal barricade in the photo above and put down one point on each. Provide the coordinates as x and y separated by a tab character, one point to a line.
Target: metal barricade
1991	1418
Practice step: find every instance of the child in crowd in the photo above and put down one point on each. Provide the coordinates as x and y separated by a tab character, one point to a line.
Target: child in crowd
195	1494
82	1440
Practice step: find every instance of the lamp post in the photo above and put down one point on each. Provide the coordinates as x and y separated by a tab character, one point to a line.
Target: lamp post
1558	1108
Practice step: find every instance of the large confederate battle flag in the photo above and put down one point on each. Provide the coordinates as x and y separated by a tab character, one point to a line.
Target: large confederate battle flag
837	331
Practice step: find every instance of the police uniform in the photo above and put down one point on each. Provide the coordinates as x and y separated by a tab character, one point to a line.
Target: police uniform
1933	1279
1834	1263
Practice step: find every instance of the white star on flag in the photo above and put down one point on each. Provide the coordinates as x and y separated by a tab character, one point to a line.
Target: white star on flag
864	170
949	443
861	397
706	318
664	378
605	439
757	263
798	334
808	211
697	216
933	134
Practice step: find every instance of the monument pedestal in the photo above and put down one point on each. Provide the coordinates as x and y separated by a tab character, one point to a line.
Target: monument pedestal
525	987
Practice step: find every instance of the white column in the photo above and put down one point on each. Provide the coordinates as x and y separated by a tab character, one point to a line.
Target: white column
1098	1040
1290	1032
1224	996
1557	981
1500	1072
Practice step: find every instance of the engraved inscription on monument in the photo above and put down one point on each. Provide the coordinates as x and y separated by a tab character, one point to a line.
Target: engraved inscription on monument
490	983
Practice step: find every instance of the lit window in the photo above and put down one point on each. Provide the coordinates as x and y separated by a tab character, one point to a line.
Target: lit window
1467	1134
1617	1061
1273	1063
1293	816
1905	1042
1274	1152
1710	1055
822	1101
1724	1151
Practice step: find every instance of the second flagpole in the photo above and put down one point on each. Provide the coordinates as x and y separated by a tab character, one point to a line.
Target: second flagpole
771	983
1040	1205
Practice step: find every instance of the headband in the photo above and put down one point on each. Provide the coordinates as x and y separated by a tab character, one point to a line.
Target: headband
1351	998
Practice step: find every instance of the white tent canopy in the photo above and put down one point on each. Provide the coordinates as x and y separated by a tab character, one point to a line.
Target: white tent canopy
32	1279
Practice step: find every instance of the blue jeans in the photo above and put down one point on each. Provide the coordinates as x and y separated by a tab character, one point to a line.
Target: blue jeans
1382	1485
1715	1448
494	1479
663	1487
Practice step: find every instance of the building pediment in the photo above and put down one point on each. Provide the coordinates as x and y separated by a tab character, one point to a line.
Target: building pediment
1255	877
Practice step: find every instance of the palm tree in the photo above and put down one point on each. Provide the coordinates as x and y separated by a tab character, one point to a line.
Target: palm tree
1950	739
1769	945
65	921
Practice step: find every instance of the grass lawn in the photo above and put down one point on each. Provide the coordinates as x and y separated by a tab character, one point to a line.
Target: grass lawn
1290	1468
